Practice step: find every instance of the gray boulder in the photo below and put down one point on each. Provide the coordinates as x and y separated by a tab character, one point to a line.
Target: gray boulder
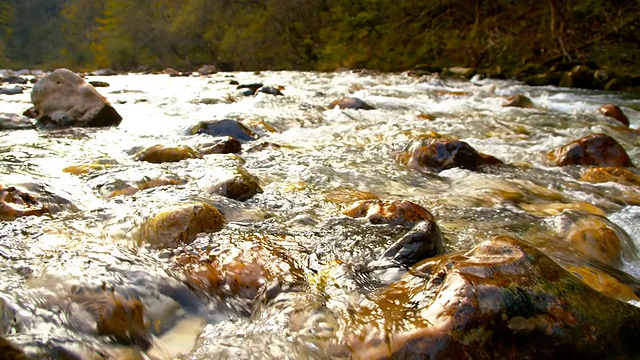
64	99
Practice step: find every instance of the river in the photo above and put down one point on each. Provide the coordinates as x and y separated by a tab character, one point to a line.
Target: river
326	158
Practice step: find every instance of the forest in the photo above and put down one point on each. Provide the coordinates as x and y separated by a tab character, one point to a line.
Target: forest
504	35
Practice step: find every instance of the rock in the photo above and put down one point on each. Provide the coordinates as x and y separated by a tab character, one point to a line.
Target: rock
253	87
15	203
207	70
440	154
227	145
16	80
180	225
120	187
351	103
603	282
520	101
271	90
10	351
595	237
393	213
345	194
116	316
235	184
619	175
225	127
96	83
593	150
545	79
614	111
500	300
14	122
423	241
99	164
159	154
240	266
459	71
11	91
580	76
64	99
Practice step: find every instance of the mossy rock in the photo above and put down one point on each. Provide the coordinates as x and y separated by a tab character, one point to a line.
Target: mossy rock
180	225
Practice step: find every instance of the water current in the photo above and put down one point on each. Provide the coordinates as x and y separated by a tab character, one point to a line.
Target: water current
327	158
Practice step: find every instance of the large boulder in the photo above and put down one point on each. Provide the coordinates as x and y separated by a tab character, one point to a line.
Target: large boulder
503	299
64	99
592	150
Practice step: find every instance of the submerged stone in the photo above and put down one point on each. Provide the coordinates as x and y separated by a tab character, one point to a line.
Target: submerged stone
619	175
394	213
15	122
593	150
160	154
227	145
441	154
180	225
240	266
116	316
500	300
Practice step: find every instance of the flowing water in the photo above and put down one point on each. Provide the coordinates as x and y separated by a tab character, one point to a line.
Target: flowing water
327	157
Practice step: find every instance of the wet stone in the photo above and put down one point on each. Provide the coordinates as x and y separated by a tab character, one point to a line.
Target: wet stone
440	154
15	203
227	145
237	184
423	241
394	213
619	175
613	111
180	225
351	103
14	122
501	299
160	154
520	101
593	150
239	266
225	127
116	316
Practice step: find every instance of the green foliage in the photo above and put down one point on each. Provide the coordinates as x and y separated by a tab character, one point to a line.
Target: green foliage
317	34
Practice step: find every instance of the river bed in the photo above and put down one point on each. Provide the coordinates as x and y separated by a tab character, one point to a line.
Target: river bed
325	159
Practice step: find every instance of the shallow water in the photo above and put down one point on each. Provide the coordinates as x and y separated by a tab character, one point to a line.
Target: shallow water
90	240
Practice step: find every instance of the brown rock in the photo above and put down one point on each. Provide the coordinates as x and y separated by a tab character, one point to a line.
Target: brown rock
603	282
503	299
235	184
227	145
240	267
611	174
351	103
394	213
10	351
520	101
180	225
15	203
64	99
596	237
614	111
159	154
116	316
440	154
593	150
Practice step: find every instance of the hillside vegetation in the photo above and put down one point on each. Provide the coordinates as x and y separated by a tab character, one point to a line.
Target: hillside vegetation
502	36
